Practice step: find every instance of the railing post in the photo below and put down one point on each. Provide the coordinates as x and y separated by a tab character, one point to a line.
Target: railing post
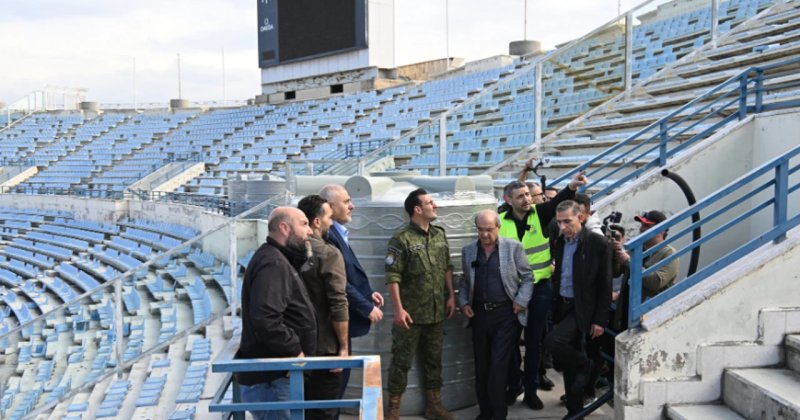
119	348
743	80
635	287
781	197
538	112
296	392
443	144
759	89
234	267
628	54
714	22
360	169
662	146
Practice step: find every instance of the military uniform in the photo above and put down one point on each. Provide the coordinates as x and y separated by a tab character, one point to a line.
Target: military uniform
417	261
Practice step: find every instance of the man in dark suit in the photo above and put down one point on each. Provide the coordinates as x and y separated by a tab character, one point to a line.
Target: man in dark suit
364	304
583	284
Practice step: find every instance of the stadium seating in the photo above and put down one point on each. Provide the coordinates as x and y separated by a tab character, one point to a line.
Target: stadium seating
52	260
48	259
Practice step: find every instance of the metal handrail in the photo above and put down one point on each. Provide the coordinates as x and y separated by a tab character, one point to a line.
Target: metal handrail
749	81
749	186
368	405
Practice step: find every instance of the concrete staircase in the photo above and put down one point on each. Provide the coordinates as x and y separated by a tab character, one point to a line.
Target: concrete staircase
754	393
736	380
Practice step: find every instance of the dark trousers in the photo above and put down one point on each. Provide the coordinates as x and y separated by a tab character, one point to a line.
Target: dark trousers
345	376
564	342
323	385
538	308
494	334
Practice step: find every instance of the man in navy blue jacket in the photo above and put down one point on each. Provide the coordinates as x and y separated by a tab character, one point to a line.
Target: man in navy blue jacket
364	304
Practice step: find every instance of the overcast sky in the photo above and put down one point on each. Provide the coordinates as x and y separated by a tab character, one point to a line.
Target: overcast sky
92	43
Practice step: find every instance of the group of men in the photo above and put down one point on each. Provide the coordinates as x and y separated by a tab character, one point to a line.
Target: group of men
305	293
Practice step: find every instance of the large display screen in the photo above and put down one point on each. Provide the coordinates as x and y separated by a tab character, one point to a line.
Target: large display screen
292	30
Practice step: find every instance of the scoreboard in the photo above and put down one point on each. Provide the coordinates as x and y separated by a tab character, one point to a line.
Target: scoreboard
295	30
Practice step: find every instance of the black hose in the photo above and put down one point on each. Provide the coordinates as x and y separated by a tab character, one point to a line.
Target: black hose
593	406
696	233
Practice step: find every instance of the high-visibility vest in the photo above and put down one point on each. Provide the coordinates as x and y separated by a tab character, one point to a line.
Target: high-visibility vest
536	245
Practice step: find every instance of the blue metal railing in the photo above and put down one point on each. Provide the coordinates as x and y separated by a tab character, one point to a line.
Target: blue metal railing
771	179
369	406
733	99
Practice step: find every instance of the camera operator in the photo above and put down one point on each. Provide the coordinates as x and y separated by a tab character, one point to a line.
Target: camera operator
664	277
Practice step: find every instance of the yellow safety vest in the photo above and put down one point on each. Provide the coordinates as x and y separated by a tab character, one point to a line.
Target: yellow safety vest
536	245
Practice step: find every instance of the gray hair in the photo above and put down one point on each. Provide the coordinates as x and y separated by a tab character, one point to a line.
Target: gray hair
569	205
330	192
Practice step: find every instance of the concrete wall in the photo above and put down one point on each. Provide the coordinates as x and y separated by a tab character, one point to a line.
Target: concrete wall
708	167
104	211
724	307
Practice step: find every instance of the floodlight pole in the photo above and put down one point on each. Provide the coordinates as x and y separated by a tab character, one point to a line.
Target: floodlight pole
223	75
134	83
179	76
525	22
447	32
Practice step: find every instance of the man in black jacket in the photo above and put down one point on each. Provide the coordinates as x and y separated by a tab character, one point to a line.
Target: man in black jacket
583	285
277	315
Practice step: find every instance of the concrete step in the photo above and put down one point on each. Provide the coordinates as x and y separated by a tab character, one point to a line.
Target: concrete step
793	352
701	412
763	393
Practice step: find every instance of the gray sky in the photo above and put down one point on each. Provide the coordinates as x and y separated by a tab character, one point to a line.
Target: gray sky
92	43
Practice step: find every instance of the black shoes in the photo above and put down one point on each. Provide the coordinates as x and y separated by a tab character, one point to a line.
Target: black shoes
545	384
533	401
511	396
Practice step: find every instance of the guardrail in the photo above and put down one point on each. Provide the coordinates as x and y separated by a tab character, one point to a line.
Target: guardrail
734	99
766	187
369	406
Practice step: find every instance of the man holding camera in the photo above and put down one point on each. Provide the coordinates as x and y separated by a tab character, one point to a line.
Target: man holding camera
661	279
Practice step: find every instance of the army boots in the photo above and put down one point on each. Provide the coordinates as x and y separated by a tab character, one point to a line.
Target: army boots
394	407
434	410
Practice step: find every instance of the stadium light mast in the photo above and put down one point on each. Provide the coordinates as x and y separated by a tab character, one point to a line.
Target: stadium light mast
447	32
134	83
525	22
223	75
179	76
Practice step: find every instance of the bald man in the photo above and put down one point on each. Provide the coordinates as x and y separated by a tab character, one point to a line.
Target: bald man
278	319
494	293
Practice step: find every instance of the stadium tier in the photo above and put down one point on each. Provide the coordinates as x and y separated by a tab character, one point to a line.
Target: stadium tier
57	294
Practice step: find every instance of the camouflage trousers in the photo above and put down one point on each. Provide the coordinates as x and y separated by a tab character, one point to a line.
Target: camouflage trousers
426	341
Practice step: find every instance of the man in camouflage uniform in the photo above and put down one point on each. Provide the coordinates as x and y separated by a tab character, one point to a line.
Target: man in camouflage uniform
418	272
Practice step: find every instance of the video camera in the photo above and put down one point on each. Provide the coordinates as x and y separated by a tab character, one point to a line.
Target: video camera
610	226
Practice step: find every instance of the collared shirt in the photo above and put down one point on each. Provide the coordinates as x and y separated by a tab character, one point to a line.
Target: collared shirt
570	246
342	231
522	225
488	284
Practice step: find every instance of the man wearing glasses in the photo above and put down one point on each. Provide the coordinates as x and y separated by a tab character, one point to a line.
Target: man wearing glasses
493	294
526	223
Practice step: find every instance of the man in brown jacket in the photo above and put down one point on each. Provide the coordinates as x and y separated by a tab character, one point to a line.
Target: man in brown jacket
325	279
